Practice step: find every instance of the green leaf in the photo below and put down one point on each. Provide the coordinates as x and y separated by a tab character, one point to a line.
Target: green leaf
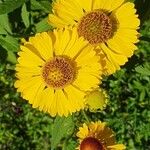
143	70
69	145
142	95
41	5
10	5
46	5
11	57
9	43
62	127
137	85
43	26
25	16
4	24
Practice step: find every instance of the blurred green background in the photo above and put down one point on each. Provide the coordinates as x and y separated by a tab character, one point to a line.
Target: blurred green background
25	128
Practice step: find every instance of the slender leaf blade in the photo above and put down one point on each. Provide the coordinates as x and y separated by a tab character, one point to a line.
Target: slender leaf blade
25	16
10	5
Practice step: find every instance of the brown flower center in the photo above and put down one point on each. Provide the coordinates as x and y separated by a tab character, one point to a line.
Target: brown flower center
59	72
91	143
95	26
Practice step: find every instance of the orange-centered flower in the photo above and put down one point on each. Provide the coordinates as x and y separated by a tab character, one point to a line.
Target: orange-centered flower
55	70
110	26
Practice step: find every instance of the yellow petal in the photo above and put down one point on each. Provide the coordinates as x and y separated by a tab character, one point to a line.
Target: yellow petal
43	44
113	60
62	40
30	88
86	81
86	5
69	9
75	97
107	5
65	13
87	56
38	97
29	58
63	105
125	18
83	131
26	72
24	83
110	68
60	104
46	99
128	35
124	47
56	21
53	107
75	46
117	147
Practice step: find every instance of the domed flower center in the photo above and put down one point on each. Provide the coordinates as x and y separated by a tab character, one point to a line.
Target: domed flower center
95	26
91	143
59	72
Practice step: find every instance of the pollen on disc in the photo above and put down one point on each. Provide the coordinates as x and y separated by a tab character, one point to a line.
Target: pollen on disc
59	72
95	26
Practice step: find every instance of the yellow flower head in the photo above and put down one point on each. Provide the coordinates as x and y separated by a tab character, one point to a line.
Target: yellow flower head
96	99
109	25
97	136
54	71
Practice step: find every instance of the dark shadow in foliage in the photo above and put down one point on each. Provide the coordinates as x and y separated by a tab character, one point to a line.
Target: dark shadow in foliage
3	54
133	62
143	9
18	27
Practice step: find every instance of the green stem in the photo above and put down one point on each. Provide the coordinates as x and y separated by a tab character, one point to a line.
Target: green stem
85	116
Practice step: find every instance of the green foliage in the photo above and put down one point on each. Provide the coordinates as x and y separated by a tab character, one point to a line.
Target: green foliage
25	128
9	43
143	9
143	70
8	6
25	16
4	24
62	127
43	25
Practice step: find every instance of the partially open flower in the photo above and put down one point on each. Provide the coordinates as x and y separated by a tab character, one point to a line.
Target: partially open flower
97	136
96	99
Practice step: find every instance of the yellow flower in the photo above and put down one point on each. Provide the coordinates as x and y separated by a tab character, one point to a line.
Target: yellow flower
96	99
109	25
55	70
97	136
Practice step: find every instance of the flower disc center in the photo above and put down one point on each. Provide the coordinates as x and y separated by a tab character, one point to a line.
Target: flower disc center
91	143
59	72
95	26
